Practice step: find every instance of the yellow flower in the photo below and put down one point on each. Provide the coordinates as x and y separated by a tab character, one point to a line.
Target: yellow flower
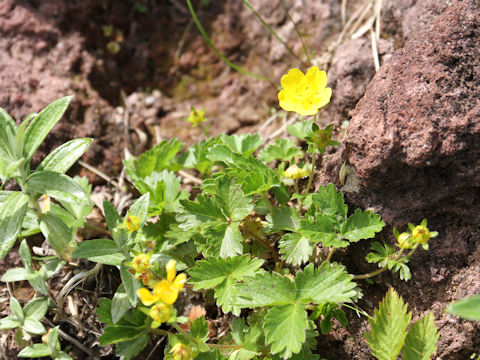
166	290
181	352
405	241
421	234
132	223
160	312
141	262
196	116
304	94
294	172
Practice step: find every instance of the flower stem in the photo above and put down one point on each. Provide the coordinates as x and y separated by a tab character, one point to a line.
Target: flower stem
329	256
295	185
268	245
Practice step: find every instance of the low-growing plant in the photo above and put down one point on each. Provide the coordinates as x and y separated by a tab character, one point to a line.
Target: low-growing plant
253	239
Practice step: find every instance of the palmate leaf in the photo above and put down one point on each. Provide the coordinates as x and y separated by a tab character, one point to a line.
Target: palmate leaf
285	328
222	274
389	327
281	149
328	201
244	145
362	225
301	129
283	218
421	341
231	200
295	248
322	230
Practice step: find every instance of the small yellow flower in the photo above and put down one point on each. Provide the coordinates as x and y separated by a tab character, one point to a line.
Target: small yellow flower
304	94
421	234
141	263
132	223
160	312
294	172
196	116
181	352
405	241
166	290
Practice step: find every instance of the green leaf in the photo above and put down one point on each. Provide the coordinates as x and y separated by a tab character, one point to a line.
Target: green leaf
130	283
222	274
58	235
62	356
111	215
264	290
199	329
119	333
248	338
231	200
295	248
468	308
128	349
421	341
38	283
382	254
301	129
285	328
16	309
232	241
36	309
328	283
201	213
8	132
51	268
58	186
330	202
244	144
17	274
212	355
120	304
35	350
362	225
53	343
389	327
42	124
12	212
33	326
281	149
25	256
9	322
140	208
104	311
284	218
323	231
103	251
64	157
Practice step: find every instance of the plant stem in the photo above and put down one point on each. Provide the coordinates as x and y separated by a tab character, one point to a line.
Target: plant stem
295	185
268	245
222	346
357	310
160	332
329	256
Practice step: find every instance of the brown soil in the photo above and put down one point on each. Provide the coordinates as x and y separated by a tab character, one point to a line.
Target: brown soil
130	99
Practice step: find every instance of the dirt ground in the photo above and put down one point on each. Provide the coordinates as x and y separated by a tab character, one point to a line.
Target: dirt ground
135	69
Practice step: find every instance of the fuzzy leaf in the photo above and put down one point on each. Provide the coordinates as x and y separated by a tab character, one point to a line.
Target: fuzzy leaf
285	328
64	157
130	283
468	308
232	201
120	304
362	225
295	248
222	274
36	309
389	327
35	350
42	124
330	202
322	231
284	218
421	341
16	274
33	326
128	349
244	145
281	149
301	129
103	251
58	235
12	212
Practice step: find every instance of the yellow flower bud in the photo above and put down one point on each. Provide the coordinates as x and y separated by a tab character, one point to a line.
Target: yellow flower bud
421	234
196	116
171	272
160	312
181	352
132	223
141	263
405	241
294	172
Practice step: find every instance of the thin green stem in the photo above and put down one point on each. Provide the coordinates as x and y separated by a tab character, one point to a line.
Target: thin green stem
219	54
357	310
295	185
330	254
273	32
160	332
298	34
268	245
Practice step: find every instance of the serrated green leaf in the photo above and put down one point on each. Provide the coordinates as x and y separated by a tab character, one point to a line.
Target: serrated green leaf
389	327
281	149
200	213
284	218
244	144
328	283
104	311
381	255
33	326
42	124
128	349
421	341
468	308
232	241
212	355
285	328
222	274
295	248
58	235
12	212
301	129
17	274
231	200
323	231
35	350
248	337
103	251
120	304
328	201
199	329
362	225
36	309
65	156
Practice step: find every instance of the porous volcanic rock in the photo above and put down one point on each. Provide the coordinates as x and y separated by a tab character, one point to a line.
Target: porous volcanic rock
414	139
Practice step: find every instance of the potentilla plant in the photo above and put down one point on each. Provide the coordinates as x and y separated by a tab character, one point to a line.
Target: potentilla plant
253	239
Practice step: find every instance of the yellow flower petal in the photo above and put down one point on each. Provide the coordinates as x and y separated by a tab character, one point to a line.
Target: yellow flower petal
292	79
180	280
325	97
171	272
287	100
166	292
146	297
